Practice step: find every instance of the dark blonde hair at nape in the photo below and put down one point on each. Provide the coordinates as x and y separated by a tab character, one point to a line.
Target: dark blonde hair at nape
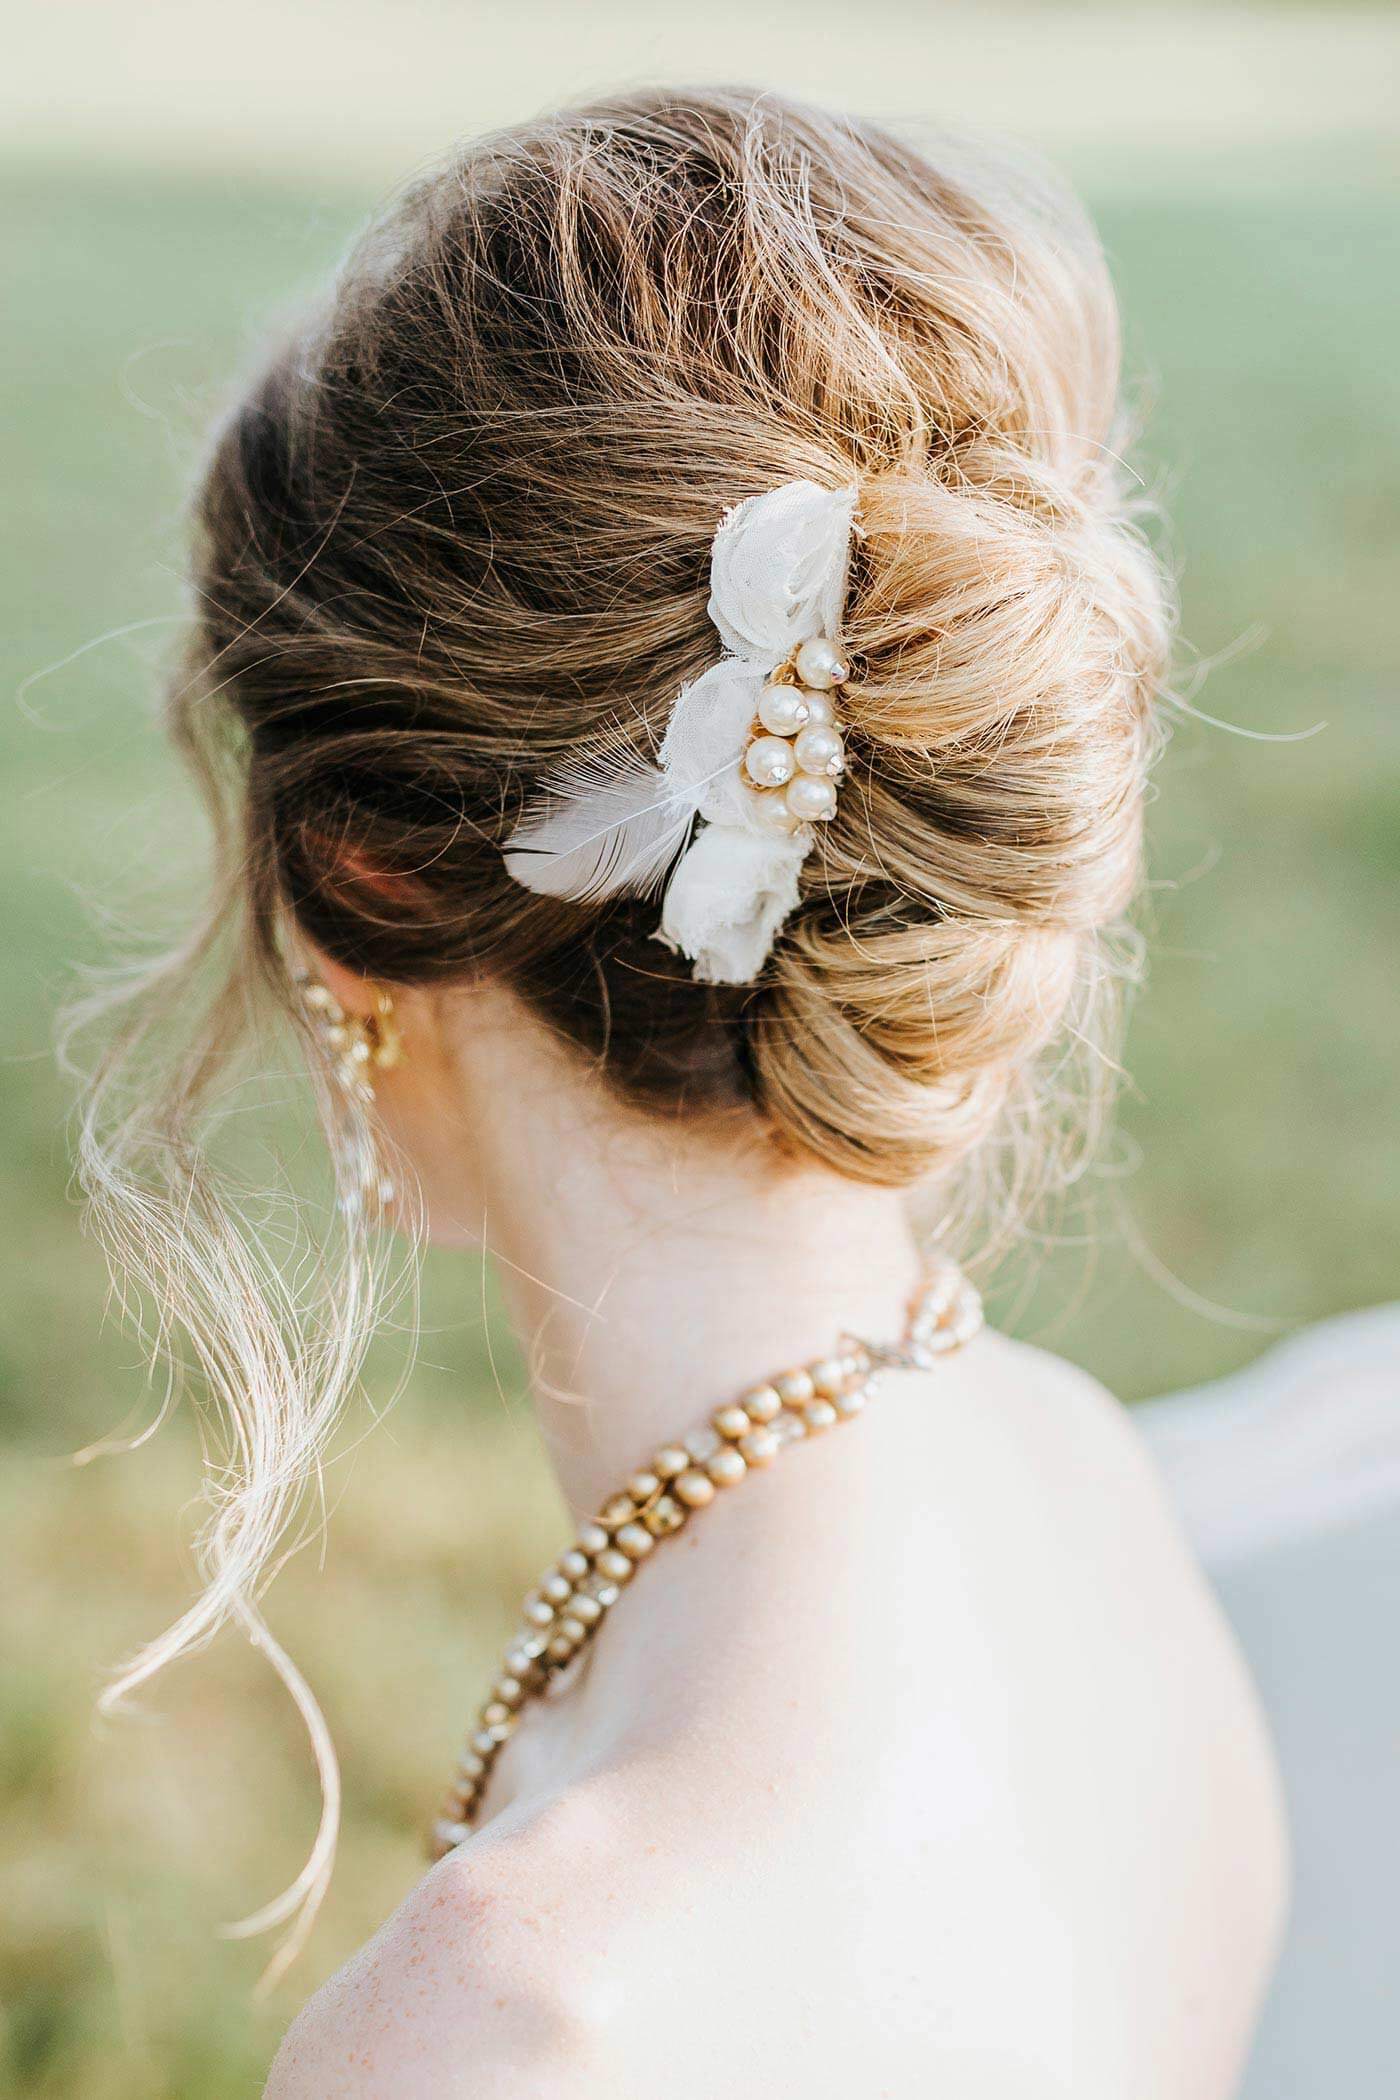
464	524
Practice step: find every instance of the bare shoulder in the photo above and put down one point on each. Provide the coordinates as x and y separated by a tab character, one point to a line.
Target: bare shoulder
1082	1436
471	1988
1121	1530
1069	1447
1082	1401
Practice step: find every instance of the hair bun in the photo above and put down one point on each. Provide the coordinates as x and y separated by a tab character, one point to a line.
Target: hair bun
1009	631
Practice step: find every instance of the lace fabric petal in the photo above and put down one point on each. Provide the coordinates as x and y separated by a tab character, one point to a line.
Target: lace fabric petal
731	891
778	572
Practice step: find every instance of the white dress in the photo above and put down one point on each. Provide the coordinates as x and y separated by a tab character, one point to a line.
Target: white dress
1287	1477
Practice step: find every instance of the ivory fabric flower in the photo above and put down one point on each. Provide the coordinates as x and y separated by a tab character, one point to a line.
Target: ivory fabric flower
731	891
778	570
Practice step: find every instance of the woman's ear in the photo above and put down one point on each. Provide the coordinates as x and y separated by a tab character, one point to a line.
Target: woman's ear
358	995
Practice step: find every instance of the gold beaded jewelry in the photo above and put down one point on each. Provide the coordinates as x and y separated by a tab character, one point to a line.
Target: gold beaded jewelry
356	1046
562	1613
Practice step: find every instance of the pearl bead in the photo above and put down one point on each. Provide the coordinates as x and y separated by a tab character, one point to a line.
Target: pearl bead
939	1298
695	1489
773	813
820	663
591	1538
727	1467
538	1613
485	1744
494	1713
809	799
783	709
619	1509
664	1516
472	1767
573	1564
509	1690
702	1444
829	1376
670	1460
759	1447
608	1594
562	1649
642	1486
818	1414
789	1428
761	1403
821	713
793	1387
820	750
586	1609
731	1422
555	1588
969	1324
769	761
572	1629
614	1564
448	1836
635	1541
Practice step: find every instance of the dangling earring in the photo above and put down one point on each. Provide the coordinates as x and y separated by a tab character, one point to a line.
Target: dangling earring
357	1046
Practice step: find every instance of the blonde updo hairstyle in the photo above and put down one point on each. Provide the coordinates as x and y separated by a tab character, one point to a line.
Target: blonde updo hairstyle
464	525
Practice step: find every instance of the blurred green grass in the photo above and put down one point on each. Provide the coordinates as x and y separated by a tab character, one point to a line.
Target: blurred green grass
1256	1167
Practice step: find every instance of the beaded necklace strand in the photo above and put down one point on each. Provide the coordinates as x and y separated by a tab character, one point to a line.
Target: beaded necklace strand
571	1600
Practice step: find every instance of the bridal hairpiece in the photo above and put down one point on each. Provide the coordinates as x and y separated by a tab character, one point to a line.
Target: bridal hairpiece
721	822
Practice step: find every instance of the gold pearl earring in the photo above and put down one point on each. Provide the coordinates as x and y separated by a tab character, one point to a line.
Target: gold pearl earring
357	1045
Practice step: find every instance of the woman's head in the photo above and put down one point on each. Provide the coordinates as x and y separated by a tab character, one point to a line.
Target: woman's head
466	524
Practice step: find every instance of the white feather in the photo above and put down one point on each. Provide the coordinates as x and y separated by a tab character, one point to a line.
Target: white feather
606	827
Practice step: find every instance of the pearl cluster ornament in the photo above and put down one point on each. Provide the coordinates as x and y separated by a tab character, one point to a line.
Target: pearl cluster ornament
356	1045
571	1600
795	754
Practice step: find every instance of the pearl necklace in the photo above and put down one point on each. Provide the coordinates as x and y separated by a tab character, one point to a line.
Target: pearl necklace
564	1611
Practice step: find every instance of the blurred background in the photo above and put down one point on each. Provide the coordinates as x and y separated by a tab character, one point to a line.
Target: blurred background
177	179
